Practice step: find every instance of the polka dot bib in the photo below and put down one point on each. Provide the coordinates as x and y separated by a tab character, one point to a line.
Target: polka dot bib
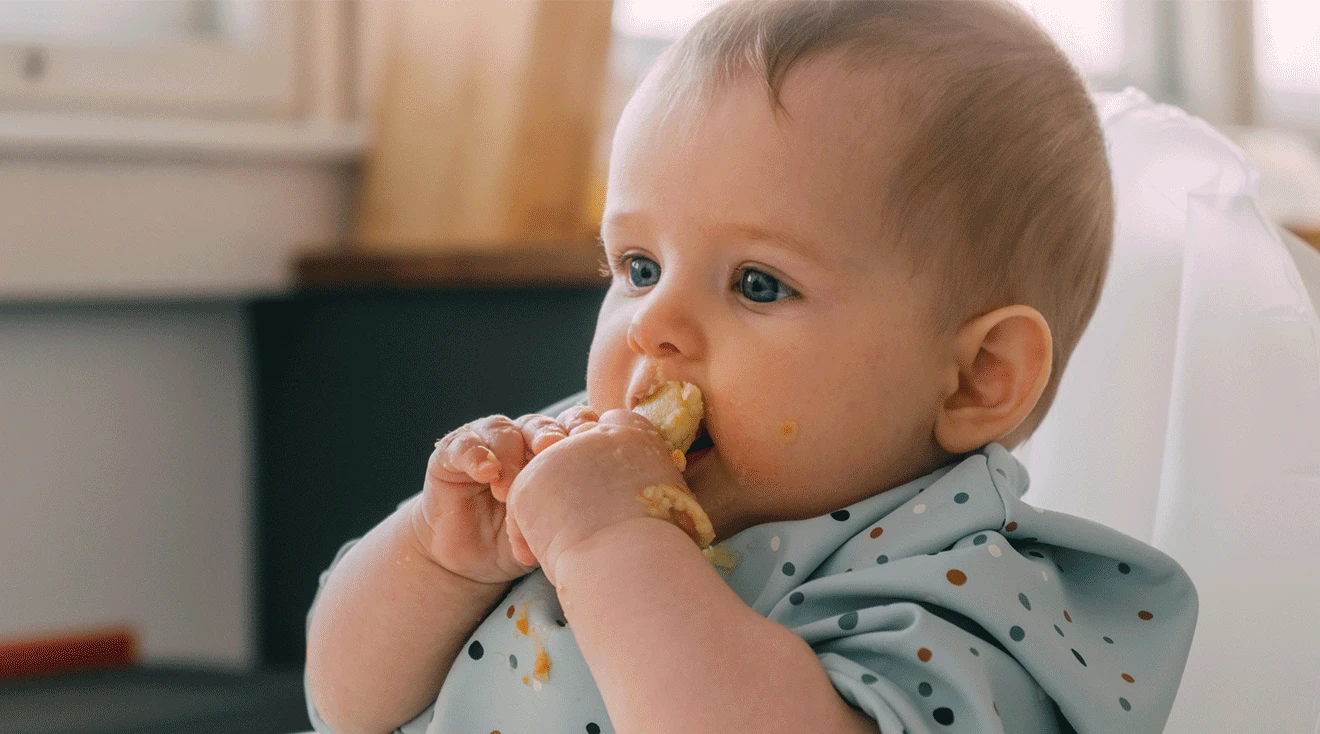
944	605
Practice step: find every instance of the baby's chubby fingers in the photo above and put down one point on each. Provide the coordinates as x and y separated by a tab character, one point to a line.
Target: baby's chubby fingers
486	451
462	457
578	418
540	432
627	419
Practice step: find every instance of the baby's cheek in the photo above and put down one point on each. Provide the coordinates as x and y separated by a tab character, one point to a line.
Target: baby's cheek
770	454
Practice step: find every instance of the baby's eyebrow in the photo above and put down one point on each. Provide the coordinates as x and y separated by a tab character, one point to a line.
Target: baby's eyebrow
788	240
641	222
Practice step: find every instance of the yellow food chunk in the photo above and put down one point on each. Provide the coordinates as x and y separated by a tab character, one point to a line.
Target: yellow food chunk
678	506
676	410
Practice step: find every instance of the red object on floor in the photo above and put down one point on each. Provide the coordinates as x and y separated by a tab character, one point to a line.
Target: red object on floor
103	648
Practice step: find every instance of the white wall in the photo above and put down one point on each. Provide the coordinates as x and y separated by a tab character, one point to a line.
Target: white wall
114	228
125	427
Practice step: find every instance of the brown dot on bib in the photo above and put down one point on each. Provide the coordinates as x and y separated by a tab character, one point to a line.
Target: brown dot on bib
1145	615
1011	527
924	655
1129	678
956	577
877	532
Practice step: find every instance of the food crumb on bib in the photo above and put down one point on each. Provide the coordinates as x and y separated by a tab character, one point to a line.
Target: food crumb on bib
723	559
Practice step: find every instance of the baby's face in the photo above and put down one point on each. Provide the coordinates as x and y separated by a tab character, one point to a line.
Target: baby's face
746	259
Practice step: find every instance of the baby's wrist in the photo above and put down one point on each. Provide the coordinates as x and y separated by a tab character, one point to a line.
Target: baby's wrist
614	541
418	538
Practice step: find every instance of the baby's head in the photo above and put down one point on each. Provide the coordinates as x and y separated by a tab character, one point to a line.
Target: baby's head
871	232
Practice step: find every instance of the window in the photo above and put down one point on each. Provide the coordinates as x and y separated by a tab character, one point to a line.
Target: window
1287	59
228	58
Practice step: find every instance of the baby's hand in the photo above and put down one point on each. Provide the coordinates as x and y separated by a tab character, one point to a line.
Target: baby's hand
586	482
461	521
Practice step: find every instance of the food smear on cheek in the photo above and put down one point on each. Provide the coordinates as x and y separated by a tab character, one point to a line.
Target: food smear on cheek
788	431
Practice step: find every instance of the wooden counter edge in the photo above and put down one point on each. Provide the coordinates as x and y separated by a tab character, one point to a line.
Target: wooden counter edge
567	266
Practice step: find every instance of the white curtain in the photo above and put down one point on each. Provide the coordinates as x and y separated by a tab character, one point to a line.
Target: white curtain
1189	416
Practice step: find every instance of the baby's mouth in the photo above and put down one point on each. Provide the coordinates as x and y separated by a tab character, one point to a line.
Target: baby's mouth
702	442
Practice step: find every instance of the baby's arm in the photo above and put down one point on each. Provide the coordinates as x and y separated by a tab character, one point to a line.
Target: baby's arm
395	610
673	649
388	625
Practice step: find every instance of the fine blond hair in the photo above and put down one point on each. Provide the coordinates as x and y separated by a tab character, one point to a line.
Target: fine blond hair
1000	185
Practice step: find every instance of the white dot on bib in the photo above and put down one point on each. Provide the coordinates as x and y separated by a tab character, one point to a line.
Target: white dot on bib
1039	510
536	686
774	543
918	509
1044	575
994	550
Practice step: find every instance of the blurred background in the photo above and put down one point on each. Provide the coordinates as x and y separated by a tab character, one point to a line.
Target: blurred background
257	255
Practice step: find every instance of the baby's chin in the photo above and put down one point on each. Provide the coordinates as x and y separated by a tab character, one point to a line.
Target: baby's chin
724	493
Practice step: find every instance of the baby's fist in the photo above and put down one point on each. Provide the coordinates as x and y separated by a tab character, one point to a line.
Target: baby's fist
461	522
586	482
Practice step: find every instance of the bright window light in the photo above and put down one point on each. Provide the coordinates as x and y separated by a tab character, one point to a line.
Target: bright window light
1090	32
659	19
1288	45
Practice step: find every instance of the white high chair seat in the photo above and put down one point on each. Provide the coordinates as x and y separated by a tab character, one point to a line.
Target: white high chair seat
1189	416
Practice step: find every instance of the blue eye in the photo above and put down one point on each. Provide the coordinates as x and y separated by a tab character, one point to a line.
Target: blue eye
762	288
643	271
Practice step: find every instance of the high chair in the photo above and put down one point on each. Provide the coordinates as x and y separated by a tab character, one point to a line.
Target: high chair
1189	415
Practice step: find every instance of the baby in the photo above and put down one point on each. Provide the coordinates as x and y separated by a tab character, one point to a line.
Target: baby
871	233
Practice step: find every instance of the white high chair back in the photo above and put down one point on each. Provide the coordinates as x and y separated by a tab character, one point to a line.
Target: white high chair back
1189	416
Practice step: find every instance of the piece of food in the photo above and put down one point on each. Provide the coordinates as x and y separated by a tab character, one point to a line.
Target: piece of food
679	506
676	410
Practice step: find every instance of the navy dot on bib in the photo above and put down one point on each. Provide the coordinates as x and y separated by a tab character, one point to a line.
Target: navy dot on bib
925	689
1079	657
1017	633
1056	629
1124	703
1035	554
593	728
1123	568
1108	639
1024	601
840	515
882	559
868	679
979	540
796	598
943	715
974	651
513	662
789	569
848	621
961	497
475	650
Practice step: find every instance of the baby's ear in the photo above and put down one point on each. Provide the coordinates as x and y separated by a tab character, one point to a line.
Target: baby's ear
1001	364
